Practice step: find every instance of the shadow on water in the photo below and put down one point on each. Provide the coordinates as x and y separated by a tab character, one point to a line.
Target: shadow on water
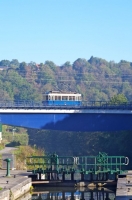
73	194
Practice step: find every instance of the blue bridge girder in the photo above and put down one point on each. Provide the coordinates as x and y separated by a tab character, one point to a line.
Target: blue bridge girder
90	116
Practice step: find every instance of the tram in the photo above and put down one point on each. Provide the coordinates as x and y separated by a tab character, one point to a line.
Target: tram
62	98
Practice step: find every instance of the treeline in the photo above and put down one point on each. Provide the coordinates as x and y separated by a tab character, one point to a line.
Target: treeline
96	79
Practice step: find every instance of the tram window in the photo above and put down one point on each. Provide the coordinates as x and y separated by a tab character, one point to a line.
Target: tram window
73	98
59	97
47	98
50	97
70	98
64	98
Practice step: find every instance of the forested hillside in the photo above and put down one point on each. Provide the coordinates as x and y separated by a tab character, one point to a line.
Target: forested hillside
96	79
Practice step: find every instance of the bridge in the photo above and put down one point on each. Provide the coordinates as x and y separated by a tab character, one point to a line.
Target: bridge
90	116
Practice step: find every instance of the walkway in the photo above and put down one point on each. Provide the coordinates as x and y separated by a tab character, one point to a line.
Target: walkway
7	150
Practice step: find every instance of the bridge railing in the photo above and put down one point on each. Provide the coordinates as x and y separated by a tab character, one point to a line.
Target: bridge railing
106	104
20	104
84	105
101	163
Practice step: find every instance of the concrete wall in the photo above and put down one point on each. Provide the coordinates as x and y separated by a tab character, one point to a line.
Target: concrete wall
21	188
26	196
16	191
4	195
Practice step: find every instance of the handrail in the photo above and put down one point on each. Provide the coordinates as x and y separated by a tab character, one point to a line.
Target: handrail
126	161
84	105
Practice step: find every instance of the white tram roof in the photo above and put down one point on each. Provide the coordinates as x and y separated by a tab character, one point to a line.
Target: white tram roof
63	93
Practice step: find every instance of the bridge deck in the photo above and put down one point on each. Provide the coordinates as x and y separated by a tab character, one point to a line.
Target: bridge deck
97	116
65	110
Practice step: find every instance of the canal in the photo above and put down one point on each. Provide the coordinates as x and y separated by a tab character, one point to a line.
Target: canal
70	194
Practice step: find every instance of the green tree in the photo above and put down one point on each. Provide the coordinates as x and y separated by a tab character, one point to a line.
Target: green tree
4	63
23	66
118	99
67	64
50	64
15	62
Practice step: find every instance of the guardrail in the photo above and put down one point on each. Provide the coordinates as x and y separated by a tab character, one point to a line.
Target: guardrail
84	105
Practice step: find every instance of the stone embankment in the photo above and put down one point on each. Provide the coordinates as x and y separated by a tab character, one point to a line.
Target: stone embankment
14	186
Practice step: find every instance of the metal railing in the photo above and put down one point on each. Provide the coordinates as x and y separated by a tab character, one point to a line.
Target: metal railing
24	104
81	164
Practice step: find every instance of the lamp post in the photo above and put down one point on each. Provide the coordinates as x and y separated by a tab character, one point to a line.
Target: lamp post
13	132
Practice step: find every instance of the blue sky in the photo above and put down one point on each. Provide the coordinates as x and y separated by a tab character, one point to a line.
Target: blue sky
65	30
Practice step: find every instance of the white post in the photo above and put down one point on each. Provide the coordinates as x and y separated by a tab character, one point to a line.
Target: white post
0	132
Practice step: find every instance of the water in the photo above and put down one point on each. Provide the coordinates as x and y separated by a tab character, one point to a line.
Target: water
70	194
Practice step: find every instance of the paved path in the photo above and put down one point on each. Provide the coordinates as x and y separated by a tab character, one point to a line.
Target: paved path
7	150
